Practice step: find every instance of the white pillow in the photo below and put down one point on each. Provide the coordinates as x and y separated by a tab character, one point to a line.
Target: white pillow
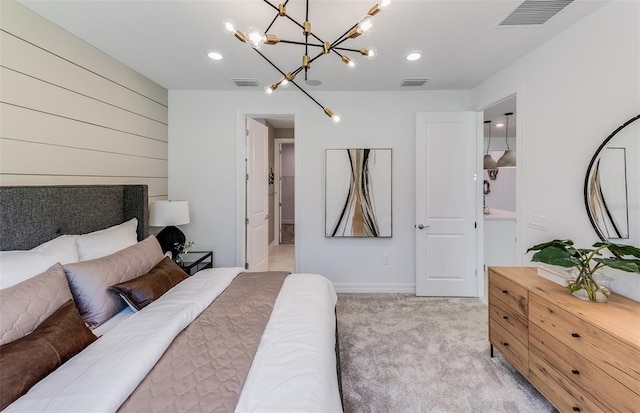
107	241
18	266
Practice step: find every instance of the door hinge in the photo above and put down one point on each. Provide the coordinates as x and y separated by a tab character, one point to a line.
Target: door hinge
247	177
475	224
246	221
246	265
476	271
246	131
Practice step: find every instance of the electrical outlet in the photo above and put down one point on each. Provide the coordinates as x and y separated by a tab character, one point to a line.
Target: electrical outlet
538	222
386	260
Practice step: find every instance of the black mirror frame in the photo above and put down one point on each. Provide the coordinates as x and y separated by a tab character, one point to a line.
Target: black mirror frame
586	178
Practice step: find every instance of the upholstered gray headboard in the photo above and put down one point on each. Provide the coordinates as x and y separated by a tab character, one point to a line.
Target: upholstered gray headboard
31	215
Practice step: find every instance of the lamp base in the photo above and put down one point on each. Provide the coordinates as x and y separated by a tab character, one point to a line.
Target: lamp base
169	238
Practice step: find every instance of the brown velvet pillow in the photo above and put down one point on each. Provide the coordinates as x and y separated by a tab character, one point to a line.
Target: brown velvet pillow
144	290
26	361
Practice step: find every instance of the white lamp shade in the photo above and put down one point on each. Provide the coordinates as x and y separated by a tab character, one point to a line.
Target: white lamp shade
166	213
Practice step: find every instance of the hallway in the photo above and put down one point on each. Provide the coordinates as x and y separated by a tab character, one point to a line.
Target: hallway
282	258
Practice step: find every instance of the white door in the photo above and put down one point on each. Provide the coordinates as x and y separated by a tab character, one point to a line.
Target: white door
257	208
446	239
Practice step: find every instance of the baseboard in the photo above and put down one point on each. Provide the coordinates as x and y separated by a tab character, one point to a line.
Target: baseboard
408	288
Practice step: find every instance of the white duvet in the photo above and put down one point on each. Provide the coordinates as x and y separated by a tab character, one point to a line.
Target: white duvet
294	369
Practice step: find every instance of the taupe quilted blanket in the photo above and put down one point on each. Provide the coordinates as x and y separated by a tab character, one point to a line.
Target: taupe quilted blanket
205	367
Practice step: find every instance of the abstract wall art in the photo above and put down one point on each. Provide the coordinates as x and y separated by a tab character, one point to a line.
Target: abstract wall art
358	193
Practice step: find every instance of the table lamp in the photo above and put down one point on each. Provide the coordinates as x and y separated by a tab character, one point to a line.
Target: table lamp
168	214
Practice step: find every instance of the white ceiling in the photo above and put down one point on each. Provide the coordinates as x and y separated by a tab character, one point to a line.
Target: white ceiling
168	41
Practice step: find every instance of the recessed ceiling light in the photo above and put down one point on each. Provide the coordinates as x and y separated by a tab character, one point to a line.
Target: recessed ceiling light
215	55
414	55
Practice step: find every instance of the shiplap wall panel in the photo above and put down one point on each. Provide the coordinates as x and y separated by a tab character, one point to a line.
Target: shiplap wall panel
22	90
41	64
19	157
70	114
27	25
157	186
34	126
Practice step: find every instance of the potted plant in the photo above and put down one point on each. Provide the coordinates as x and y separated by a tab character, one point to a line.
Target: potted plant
587	262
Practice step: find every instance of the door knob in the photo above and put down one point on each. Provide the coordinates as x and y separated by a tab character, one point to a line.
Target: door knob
266	217
420	226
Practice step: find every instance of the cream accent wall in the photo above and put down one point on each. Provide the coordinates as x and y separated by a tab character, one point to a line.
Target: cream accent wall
70	114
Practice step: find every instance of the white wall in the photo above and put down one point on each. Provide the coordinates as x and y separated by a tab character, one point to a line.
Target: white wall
71	114
204	155
573	92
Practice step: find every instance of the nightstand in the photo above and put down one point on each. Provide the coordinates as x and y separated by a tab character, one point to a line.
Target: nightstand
192	262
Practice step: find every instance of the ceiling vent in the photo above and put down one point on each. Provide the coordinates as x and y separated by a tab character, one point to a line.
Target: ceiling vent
245	82
534	12
414	82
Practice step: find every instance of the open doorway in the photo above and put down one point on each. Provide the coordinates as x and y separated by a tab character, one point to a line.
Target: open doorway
500	183
282	193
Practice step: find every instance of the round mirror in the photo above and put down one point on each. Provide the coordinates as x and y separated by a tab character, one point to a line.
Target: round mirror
612	186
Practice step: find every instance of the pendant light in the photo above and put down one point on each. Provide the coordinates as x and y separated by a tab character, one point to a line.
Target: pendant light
489	162
508	159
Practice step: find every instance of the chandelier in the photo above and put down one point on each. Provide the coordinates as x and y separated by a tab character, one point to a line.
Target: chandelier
256	39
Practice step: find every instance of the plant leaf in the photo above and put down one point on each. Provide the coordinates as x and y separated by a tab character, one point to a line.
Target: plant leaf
623	249
556	255
555	243
620	264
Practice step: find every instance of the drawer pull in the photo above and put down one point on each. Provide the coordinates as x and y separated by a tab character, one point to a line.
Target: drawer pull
505	317
576	335
576	409
505	344
505	291
576	372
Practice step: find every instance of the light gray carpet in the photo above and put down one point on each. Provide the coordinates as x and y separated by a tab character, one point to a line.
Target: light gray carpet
401	353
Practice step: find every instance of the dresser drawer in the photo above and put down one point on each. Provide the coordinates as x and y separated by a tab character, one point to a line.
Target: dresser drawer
581	373
564	396
511	294
510	320
512	349
609	354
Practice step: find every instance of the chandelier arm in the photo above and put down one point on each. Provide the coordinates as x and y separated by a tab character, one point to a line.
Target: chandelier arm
340	39
344	49
308	95
300	43
319	54
270	62
292	81
271	24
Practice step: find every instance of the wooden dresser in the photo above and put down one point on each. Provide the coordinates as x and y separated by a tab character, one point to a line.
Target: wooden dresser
582	356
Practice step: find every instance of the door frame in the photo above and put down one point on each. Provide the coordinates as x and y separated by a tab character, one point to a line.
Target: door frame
277	148
240	200
498	97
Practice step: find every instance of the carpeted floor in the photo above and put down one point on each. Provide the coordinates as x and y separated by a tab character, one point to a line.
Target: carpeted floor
288	234
401	353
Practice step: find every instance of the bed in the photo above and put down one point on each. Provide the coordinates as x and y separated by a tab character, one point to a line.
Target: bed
139	334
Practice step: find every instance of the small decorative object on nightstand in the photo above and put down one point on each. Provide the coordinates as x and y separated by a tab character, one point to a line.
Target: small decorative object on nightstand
192	262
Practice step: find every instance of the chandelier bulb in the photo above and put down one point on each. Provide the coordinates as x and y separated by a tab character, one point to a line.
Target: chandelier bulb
269	90
385	3
336	118
365	26
350	63
370	52
255	38
229	26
